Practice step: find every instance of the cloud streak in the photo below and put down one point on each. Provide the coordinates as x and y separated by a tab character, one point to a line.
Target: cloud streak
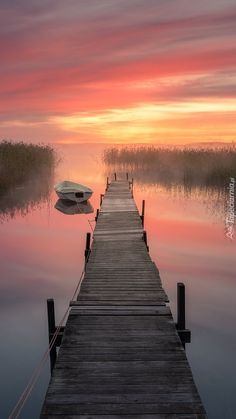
62	58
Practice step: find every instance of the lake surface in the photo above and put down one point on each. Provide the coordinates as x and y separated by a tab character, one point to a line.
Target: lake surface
42	253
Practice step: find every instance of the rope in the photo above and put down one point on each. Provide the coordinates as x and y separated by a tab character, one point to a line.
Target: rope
89	221
38	369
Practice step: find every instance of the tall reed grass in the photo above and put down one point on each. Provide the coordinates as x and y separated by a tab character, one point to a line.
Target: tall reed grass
207	167
21	161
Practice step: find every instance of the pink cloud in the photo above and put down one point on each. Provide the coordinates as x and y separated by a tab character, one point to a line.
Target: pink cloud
90	56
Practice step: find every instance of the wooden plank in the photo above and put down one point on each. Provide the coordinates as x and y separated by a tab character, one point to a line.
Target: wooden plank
155	416
131	408
125	416
121	356
103	310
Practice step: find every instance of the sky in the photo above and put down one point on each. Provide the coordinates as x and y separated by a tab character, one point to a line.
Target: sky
118	71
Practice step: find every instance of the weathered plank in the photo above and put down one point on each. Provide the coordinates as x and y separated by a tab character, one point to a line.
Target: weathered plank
121	356
148	416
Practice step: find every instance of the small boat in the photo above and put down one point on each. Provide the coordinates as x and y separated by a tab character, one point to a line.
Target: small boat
73	191
69	207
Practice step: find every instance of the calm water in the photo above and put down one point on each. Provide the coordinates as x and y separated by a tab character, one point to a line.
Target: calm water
42	254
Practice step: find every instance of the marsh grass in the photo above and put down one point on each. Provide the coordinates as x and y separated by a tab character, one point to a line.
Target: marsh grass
188	167
26	177
19	162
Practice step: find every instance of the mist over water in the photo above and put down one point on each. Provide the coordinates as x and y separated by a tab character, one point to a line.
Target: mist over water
42	254
23	199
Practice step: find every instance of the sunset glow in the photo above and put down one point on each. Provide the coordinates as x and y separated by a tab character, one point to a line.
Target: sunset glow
120	72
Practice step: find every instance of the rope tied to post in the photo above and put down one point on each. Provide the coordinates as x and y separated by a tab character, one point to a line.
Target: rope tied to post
39	367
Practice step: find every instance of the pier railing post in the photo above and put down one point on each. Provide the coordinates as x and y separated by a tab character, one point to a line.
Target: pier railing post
107	183
145	239
101	198
184	334
87	248
127	176
115	177
143	212
180	306
51	331
97	214
131	187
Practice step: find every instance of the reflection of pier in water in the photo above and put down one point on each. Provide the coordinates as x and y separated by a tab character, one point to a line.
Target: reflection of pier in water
212	196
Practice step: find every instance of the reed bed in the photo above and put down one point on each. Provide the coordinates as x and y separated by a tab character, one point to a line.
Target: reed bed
206	167
19	162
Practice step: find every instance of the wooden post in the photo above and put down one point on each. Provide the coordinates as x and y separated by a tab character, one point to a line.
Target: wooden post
51	331
143	212
87	248
131	187
145	239
101	198
127	176
180	306
184	334
115	176
97	214
107	183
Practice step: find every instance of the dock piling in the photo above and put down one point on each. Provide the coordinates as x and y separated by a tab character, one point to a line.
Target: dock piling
107	183
87	248
131	187
145	239
101	198
180	306
52	328
51	331
184	334
143	212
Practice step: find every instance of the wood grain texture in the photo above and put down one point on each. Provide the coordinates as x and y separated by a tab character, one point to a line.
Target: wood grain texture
121	356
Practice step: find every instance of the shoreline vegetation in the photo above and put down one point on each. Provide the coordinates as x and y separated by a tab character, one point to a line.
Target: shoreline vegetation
19	162
170	167
26	177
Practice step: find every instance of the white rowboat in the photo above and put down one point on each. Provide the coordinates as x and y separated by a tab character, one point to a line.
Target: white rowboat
73	191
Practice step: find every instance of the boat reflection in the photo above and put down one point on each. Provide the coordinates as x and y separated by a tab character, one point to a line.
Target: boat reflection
69	207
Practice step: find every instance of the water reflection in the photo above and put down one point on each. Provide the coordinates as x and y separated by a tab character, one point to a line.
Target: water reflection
42	255
213	197
188	167
29	196
72	208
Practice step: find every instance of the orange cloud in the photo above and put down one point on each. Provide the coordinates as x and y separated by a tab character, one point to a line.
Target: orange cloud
59	61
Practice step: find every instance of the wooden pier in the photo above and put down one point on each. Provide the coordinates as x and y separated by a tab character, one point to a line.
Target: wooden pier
121	355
